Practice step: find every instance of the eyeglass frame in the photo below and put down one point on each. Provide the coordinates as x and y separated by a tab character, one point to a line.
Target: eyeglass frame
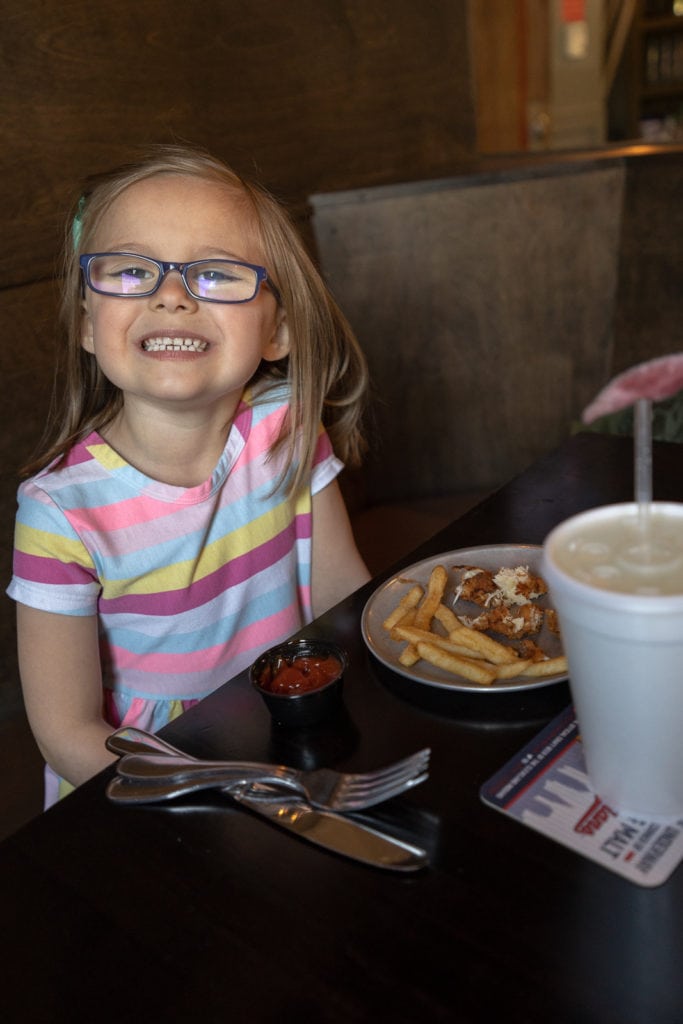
165	266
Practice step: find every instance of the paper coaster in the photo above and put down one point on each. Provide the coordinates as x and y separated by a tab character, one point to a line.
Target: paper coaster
545	786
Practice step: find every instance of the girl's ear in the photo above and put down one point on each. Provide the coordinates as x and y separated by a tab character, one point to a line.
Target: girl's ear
87	334
277	346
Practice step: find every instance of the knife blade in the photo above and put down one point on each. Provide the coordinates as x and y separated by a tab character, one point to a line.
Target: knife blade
333	831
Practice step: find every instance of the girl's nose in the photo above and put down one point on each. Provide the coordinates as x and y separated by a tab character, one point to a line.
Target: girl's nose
172	293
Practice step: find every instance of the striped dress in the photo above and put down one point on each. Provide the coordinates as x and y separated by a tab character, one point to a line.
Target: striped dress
189	584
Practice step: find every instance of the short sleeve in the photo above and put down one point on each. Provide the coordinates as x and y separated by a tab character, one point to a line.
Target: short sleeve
326	465
52	567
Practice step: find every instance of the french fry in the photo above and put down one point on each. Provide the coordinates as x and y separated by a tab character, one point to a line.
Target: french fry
411	633
409	656
408	601
414	636
493	651
466	667
432	599
407	619
546	668
512	668
448	619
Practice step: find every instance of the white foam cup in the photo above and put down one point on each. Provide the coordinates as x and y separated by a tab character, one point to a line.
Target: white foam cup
621	620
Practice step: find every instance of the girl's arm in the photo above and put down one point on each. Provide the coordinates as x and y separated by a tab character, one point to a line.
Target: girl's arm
61	678
337	568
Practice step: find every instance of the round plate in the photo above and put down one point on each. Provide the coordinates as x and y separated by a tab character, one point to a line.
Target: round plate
385	599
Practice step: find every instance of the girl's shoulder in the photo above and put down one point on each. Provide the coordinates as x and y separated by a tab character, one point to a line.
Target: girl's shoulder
76	463
90	475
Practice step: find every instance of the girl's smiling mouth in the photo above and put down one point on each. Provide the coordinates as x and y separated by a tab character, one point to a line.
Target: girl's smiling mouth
166	343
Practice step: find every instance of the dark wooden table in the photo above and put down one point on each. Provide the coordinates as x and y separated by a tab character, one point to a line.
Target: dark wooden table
205	913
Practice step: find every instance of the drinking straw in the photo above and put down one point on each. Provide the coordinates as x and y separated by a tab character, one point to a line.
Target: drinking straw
642	455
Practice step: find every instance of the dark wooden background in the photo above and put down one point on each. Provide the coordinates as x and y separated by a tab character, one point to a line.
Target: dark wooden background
308	95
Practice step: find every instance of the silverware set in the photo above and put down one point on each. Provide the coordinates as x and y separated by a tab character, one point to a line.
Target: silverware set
310	803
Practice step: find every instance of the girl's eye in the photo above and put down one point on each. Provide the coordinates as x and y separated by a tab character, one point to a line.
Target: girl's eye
122	274
132	273
215	276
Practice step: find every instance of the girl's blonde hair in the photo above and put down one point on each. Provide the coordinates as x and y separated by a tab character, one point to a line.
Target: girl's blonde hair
325	368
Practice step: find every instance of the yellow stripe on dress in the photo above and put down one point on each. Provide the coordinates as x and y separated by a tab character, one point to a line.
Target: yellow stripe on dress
107	457
31	541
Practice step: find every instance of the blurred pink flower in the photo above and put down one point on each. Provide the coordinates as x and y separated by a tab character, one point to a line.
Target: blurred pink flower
656	379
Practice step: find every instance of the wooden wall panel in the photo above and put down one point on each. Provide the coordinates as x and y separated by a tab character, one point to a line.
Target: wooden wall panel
650	296
308	95
499	73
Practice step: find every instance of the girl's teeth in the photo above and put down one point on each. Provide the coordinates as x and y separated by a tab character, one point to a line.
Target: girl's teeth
174	345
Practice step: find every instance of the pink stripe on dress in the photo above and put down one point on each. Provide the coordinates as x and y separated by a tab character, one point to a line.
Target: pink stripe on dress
284	623
38	569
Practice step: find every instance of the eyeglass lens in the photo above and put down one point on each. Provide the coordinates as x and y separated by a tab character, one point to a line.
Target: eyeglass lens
220	280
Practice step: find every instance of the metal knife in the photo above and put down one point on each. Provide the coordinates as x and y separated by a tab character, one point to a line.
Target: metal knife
324	828
333	831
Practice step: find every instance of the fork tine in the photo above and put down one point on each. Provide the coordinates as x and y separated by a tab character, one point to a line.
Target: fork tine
356	801
354	792
413	765
358	795
361	787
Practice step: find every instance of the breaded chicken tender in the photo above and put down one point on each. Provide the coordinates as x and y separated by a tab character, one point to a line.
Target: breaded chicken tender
519	621
475	585
508	586
519	586
528	648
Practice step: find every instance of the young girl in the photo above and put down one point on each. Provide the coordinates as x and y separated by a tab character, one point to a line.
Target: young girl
185	514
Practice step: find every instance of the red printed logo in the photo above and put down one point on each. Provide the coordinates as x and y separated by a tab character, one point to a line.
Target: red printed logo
594	818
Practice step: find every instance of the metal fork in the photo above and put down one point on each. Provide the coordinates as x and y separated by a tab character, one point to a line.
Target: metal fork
164	773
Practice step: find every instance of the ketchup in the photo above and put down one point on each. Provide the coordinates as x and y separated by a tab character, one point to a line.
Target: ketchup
299	675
